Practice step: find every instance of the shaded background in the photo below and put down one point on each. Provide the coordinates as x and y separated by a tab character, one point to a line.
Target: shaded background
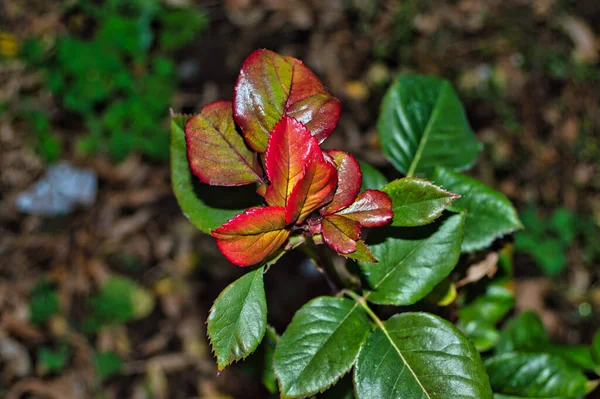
92	81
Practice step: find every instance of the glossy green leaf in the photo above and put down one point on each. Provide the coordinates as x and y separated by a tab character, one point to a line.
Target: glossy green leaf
579	356
319	346
423	125
269	344
524	333
531	375
412	261
419	356
238	319
483	334
490	307
205	206
490	214
416	202
371	177
596	347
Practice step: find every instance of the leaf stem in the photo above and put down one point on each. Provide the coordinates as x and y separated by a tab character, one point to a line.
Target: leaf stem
362	301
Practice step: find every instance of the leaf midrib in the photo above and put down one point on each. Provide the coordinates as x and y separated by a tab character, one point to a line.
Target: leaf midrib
236	323
426	133
301	375
388	336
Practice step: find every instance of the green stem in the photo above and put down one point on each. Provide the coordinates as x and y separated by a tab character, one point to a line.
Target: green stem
362	301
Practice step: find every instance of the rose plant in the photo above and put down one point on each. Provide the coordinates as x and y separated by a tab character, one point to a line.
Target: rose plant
298	195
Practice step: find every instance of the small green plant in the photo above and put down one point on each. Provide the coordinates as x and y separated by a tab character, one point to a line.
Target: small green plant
547	240
120	77
299	196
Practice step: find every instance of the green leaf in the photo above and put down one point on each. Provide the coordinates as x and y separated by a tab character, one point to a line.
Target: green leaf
423	125
319	346
524	333
416	202
412	261
371	178
490	214
44	302
531	375
418	355
238	319
596	347
490	307
54	360
579	356
269	344
107	364
483	334
207	207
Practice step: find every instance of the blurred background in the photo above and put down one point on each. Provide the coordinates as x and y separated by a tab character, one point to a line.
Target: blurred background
105	286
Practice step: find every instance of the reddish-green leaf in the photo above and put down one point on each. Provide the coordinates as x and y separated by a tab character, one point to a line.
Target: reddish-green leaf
290	148
216	152
349	181
340	233
271	86
362	253
314	190
372	208
252	236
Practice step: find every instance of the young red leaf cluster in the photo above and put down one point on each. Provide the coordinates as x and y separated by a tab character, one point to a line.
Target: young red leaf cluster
284	113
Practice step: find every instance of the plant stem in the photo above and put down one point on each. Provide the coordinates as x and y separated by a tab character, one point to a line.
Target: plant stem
324	264
362	301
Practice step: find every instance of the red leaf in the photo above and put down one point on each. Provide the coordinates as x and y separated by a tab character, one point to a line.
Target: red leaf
349	181
362	253
271	86
372	208
340	233
216	152
314	190
290	148
252	236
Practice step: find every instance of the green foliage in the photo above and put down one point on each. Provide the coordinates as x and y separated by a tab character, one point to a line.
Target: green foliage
54	360
518	375
119	81
412	261
423	130
548	239
120	300
313	339
418	355
107	364
416	202
489	213
371	177
417	138
238	319
44	302
48	146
